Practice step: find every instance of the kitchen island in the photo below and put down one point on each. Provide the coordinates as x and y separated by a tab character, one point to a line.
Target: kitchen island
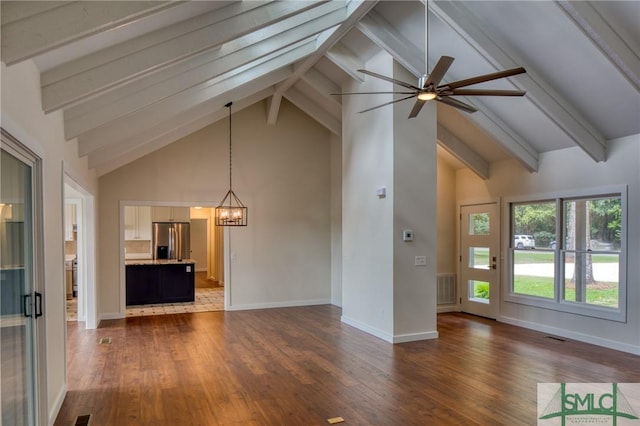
160	281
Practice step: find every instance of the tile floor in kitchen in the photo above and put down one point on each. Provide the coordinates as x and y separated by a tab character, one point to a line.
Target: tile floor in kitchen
207	299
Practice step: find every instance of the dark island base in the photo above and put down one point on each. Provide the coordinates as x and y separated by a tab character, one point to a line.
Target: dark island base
163	283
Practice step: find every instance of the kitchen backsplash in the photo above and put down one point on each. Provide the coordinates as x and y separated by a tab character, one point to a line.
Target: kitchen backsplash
137	246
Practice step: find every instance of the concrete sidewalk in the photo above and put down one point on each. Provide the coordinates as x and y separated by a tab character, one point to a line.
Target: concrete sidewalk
601	271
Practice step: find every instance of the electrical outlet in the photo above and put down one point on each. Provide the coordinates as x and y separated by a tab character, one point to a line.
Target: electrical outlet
420	261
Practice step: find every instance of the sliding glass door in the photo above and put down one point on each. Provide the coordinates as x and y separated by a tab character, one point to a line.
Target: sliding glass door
20	303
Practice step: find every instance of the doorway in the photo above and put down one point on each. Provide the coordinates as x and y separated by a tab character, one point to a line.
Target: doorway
80	253
200	244
479	259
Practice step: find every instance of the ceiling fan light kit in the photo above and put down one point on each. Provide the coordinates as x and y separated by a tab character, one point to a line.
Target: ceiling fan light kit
427	96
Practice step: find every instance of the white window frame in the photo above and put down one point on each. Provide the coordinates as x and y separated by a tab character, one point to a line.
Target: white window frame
557	303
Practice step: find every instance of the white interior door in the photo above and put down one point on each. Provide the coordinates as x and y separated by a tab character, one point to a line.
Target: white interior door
479	259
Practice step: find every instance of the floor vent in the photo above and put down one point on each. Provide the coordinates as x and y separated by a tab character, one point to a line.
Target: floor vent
105	340
446	289
83	420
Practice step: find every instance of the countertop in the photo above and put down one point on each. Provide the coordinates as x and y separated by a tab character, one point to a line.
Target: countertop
158	262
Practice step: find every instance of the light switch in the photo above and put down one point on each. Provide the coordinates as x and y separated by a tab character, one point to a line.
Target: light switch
381	192
407	235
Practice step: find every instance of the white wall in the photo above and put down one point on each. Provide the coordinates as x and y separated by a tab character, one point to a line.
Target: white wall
367	221
447	218
281	172
414	203
22	116
384	293
336	220
566	170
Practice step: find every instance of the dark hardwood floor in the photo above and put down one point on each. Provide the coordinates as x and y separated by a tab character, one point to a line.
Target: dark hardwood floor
301	366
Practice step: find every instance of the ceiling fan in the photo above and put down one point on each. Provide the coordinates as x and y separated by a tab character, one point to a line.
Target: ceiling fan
429	88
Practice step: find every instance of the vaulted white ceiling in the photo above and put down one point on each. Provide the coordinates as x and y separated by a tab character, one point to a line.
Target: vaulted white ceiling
132	77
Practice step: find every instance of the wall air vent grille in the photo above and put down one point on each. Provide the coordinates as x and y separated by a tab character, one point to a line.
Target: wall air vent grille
446	289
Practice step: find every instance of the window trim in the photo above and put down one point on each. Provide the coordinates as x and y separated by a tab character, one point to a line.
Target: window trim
558	303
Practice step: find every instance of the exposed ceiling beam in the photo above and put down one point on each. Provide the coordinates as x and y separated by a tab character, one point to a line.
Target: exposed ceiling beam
33	28
313	110
508	138
379	31
462	152
356	10
346	60
161	112
460	19
253	48
324	87
108	160
601	34
116	65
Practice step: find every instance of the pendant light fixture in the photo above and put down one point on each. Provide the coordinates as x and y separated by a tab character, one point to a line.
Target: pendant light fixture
231	211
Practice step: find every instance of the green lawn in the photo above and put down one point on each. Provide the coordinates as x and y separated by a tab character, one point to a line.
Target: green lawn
603	294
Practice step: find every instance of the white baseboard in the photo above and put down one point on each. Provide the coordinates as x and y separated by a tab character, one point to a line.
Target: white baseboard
57	404
287	304
448	308
367	328
112	315
387	337
414	337
624	347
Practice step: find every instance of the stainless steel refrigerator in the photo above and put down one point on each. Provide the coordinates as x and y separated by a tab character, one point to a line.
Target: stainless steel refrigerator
171	240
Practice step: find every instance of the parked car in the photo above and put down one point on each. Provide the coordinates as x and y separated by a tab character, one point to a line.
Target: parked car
524	241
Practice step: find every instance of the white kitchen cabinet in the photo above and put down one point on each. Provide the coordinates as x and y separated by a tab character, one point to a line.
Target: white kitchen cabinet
137	223
171	214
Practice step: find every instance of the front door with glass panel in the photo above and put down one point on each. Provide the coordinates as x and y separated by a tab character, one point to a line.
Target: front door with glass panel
479	259
20	305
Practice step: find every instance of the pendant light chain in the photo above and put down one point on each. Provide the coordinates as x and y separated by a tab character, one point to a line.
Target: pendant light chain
230	168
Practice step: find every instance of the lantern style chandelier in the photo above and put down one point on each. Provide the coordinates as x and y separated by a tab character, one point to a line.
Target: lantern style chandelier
231	211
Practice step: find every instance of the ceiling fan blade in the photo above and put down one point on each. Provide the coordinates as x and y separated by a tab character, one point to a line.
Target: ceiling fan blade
439	71
457	104
373	93
481	92
483	78
389	79
416	108
388	103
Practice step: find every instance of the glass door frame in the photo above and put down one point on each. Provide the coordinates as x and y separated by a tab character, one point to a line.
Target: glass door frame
36	353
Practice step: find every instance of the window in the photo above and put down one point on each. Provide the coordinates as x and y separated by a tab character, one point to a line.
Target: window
567	254
534	228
